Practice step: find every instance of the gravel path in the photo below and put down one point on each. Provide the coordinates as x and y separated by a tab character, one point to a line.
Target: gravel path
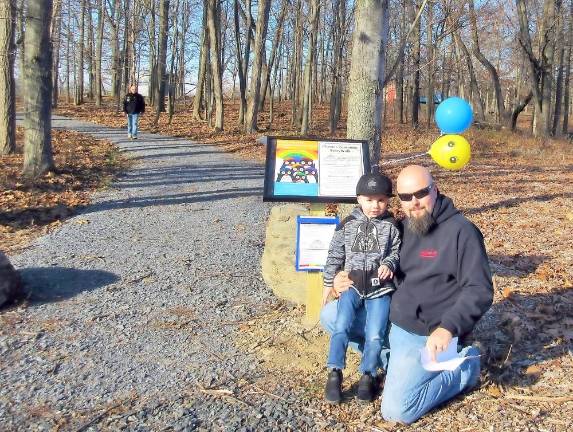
136	300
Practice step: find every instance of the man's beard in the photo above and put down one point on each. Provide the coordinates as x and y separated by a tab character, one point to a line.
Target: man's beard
420	225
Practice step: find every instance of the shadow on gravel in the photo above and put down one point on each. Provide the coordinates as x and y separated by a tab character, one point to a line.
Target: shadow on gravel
174	199
51	284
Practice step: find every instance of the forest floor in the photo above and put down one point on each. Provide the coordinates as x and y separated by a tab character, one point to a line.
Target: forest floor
518	190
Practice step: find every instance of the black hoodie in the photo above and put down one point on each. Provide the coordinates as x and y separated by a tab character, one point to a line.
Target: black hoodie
444	278
133	103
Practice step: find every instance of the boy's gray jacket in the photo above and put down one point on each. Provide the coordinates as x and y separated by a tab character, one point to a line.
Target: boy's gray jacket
359	246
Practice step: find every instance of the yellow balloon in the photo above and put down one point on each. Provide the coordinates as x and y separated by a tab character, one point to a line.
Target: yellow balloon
451	152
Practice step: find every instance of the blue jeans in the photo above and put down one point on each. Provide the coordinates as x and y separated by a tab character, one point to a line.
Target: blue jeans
132	124
374	330
410	391
356	331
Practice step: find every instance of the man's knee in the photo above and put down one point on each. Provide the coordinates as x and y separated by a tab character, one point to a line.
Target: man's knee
396	410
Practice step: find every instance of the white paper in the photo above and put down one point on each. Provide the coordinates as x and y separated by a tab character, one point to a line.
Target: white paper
341	165
314	241
445	360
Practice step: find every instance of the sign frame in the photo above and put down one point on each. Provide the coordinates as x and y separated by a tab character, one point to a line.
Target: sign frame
271	174
311	220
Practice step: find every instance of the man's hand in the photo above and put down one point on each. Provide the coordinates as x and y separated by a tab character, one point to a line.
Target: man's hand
341	283
385	273
438	341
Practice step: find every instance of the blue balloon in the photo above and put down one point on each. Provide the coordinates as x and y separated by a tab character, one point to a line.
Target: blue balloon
454	115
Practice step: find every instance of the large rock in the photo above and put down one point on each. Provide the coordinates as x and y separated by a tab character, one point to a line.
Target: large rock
10	284
278	262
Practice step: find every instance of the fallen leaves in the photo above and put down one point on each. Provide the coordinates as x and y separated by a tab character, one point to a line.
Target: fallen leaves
30	209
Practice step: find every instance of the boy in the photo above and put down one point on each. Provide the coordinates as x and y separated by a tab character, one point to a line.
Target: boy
366	245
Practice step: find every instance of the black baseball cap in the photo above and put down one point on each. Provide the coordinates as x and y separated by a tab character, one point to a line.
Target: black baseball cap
374	184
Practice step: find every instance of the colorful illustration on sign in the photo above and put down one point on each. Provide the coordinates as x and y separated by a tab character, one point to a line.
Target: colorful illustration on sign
296	168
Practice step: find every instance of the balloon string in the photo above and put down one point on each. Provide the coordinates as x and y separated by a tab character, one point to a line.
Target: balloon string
403	159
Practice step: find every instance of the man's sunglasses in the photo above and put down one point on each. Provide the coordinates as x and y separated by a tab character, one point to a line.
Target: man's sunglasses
418	194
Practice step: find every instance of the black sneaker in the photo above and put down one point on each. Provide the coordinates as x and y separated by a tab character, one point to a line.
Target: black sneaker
333	390
366	388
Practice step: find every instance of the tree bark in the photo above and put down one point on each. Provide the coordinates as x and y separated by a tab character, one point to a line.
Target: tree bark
540	69
565	128
98	53
55	37
476	97
255	84
415	104
161	59
38	89
202	66
365	99
430	68
314	13
338	69
559	82
7	84
79	99
213	23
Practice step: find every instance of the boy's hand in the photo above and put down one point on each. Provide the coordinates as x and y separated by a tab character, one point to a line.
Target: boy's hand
385	273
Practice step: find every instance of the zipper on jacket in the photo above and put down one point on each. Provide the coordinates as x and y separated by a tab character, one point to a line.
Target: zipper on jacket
364	278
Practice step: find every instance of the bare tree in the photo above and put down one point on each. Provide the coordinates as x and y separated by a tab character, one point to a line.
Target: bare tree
98	52
540	67
365	97
254	90
161	59
202	66
38	89
213	24
314	13
508	117
7	90
79	95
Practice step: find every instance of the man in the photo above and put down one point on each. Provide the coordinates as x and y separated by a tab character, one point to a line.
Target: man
443	288
133	105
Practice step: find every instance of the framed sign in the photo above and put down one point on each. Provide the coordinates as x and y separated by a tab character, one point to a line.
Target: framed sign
314	170
313	236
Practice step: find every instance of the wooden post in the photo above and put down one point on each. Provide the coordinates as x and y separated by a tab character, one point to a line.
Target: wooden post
314	281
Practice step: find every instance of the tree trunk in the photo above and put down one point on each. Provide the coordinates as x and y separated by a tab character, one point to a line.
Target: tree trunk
161	59
202	66
152	56
255	84
38	89
476	97
430	68
114	18
566	107
7	85
336	82
55	37
365	97
79	98
540	69
272	59
415	104
559	82
99	45
213	24
314	13
90	54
